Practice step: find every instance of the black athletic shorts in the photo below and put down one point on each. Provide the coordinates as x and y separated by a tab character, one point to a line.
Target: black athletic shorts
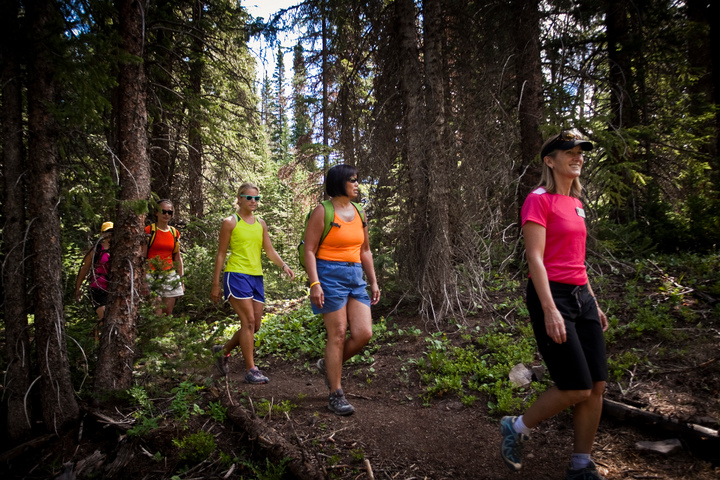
580	361
98	296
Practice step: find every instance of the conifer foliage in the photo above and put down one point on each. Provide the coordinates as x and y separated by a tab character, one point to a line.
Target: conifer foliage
441	104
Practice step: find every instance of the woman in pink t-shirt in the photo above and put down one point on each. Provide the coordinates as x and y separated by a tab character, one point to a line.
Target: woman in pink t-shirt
566	319
96	264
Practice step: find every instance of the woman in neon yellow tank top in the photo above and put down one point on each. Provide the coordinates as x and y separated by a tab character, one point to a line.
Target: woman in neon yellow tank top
247	236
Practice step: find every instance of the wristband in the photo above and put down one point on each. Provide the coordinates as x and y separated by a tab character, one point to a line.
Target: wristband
284	265
314	283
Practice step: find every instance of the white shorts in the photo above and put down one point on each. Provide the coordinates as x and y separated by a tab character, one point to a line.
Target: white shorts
166	284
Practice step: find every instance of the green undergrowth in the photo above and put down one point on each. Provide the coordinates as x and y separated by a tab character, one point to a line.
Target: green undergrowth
479	365
300	335
652	304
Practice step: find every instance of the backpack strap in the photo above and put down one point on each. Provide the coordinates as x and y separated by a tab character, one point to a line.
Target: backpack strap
153	234
329	217
151	238
360	211
176	236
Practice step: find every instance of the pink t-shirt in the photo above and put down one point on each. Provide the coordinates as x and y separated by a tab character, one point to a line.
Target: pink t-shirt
101	265
564	221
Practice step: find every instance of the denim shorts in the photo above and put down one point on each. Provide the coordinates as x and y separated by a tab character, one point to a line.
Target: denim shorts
340	281
243	286
581	360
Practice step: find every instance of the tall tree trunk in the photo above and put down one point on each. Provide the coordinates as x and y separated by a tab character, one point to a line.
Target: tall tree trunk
57	397
160	140
160	153
622	115
412	139
162	102
529	87
714	11
439	281
195	173
700	56
117	343
17	339
325	84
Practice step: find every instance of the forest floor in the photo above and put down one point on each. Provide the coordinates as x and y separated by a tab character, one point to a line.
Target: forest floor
396	434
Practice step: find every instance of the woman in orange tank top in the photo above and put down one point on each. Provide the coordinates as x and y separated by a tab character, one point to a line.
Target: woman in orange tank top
337	289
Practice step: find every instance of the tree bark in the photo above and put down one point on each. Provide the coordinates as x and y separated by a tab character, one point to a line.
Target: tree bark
117	343
325	87
160	142
700	57
17	346
273	444
57	397
630	414
195	173
529	87
439	282
411	135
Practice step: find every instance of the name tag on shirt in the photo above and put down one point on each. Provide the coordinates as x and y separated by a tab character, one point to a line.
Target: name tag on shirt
580	212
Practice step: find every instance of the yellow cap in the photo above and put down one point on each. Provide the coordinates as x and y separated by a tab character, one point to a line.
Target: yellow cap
106	226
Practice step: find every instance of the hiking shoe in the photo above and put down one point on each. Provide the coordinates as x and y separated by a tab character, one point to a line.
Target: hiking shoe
321	366
338	403
511	444
255	377
221	360
588	473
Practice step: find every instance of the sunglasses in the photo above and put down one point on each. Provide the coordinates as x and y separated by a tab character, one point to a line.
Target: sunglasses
353	180
167	212
250	197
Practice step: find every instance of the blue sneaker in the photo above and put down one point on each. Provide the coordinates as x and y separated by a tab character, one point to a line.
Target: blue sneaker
588	473
338	404
511	445
255	377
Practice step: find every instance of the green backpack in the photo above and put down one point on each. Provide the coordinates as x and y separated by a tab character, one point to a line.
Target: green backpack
329	217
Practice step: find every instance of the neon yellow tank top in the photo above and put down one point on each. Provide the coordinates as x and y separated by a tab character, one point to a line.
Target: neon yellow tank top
245	248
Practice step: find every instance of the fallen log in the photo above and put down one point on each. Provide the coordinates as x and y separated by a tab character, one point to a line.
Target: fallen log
20	449
273	444
625	412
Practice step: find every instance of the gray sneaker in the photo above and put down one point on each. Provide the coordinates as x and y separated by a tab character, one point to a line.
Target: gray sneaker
338	403
255	377
588	473
321	366
511	444
221	360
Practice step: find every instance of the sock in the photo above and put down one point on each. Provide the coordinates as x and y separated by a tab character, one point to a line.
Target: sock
580	461
520	427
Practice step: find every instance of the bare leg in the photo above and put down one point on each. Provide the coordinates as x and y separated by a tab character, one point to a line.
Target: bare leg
336	326
338	349
586	418
245	337
258	312
169	305
552	402
360	324
101	314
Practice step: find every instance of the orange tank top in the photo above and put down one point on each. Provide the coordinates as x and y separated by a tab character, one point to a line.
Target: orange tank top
343	244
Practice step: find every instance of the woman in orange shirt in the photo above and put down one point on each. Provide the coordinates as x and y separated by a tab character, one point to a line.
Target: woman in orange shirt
165	261
337	289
